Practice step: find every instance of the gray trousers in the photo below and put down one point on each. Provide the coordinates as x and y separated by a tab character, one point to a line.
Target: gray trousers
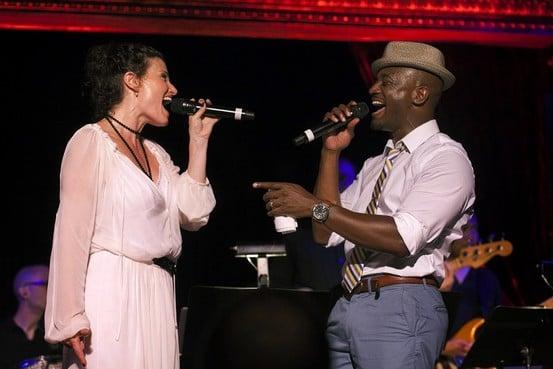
404	326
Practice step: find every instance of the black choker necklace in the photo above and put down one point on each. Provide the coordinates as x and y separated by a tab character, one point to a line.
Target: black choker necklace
122	125
140	139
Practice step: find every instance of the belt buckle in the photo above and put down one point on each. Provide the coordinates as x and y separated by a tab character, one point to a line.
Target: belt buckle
376	289
373	285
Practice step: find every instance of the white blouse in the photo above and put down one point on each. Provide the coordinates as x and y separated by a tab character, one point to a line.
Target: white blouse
108	204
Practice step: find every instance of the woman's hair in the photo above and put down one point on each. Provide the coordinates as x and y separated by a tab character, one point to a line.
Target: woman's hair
104	69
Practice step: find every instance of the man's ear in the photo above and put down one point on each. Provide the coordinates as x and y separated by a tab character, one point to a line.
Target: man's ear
132	82
420	95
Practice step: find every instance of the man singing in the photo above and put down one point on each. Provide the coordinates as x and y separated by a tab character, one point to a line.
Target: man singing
398	218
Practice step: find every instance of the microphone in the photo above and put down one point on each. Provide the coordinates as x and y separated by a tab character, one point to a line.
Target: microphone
358	111
188	107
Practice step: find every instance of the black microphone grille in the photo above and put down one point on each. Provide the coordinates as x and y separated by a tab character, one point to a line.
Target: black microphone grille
181	106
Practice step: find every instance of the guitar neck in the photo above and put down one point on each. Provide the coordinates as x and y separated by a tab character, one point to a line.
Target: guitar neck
478	255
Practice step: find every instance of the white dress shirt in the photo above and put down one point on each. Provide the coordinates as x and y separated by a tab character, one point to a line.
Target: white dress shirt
429	193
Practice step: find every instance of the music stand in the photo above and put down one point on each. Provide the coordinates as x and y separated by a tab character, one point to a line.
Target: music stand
513	336
262	253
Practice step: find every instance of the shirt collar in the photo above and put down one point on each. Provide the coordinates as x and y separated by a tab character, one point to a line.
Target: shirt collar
417	136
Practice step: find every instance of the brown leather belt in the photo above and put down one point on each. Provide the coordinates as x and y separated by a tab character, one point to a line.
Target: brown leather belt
375	282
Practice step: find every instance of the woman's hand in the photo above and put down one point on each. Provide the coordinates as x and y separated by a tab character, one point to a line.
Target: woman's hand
340	140
78	344
200	126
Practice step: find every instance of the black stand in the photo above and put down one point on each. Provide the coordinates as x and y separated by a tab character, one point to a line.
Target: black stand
261	253
514	336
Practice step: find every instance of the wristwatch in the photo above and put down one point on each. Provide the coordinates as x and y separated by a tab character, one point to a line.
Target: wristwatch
320	211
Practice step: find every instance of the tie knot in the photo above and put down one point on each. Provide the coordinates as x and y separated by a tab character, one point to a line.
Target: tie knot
398	148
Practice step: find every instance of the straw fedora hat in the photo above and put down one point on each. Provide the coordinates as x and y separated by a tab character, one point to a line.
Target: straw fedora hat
415	55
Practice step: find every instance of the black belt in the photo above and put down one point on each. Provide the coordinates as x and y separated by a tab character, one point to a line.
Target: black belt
167	264
374	283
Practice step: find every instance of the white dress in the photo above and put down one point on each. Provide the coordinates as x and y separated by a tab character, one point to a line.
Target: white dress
111	222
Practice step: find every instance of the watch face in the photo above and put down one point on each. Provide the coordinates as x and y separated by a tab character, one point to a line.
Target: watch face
320	212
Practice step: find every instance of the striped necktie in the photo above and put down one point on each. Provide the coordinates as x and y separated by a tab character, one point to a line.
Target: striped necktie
355	259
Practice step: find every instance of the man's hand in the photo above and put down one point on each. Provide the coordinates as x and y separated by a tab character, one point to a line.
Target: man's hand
449	279
78	344
340	140
457	347
287	199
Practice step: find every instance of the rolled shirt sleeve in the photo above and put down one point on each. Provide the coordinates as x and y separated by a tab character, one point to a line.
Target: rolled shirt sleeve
348	198
442	193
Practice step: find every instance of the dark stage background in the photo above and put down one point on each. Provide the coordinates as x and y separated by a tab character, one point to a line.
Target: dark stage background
500	109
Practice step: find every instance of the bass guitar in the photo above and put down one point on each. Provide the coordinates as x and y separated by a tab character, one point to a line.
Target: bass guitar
478	255
474	257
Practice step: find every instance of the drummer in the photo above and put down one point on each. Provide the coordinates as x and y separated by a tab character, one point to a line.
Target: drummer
22	334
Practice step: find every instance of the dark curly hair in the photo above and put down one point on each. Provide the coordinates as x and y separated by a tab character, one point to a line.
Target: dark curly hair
105	66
